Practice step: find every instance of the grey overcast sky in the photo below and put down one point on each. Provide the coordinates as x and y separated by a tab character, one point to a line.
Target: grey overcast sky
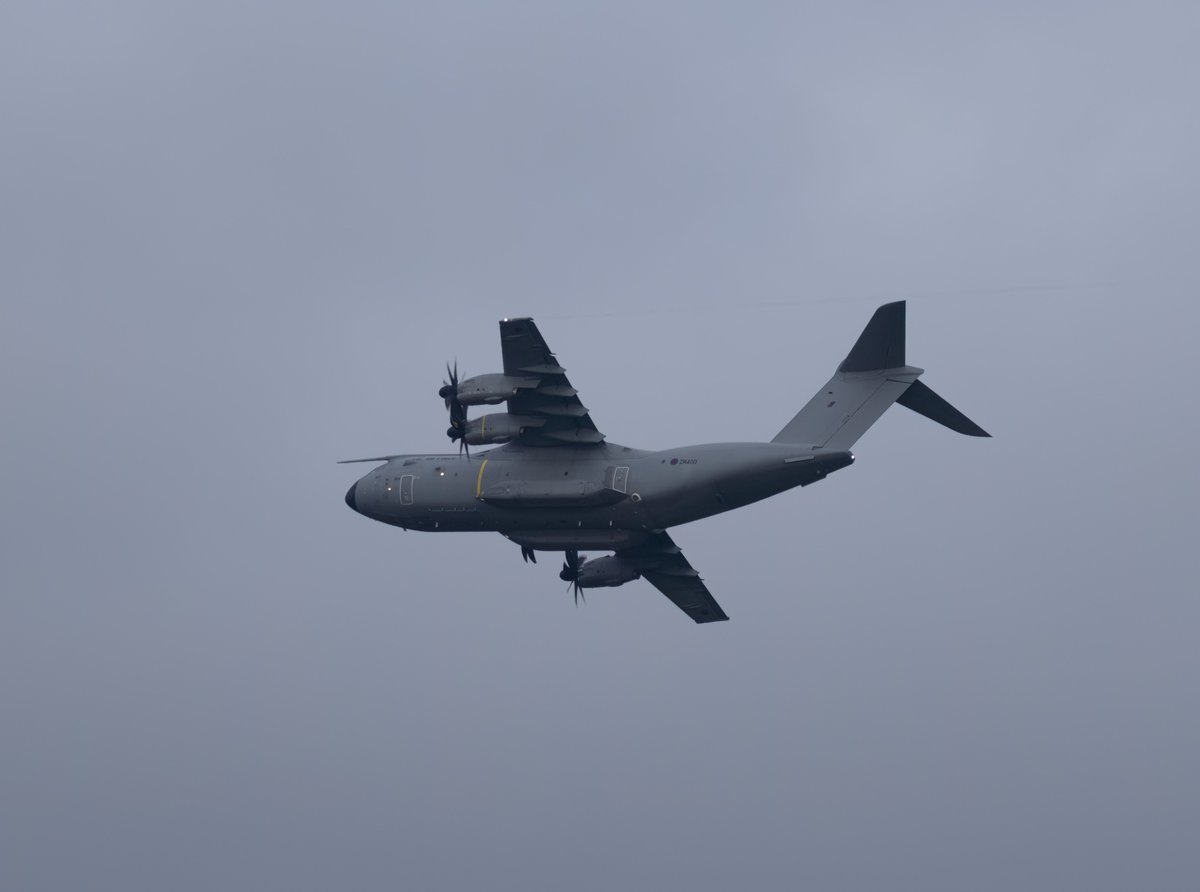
238	241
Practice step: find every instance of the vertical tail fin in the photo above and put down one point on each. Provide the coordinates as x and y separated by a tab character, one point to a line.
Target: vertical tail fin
871	377
881	344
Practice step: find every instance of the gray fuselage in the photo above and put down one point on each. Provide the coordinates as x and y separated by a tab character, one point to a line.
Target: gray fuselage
586	497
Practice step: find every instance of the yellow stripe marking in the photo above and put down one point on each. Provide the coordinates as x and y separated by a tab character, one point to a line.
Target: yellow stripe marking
479	479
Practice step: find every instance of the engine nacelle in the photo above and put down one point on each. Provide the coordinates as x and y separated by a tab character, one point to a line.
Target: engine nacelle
499	427
607	571
491	389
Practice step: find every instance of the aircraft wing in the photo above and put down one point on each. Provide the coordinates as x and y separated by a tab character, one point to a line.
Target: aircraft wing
558	417
663	565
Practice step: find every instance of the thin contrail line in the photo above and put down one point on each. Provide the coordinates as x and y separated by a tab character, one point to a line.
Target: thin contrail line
872	297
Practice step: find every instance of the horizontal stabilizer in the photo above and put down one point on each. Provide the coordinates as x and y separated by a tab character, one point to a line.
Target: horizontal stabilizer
922	400
872	377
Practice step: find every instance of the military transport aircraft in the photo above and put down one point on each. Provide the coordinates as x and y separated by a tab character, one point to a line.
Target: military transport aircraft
558	485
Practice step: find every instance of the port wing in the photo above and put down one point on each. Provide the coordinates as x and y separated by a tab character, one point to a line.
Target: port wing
662	564
565	420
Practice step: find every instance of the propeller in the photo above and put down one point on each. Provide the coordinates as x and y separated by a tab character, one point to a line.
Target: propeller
454	434
458	412
570	573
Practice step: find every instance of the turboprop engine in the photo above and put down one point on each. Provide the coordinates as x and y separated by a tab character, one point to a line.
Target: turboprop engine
599	573
498	427
607	571
486	389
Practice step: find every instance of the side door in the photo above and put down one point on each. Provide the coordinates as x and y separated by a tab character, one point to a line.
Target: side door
617	478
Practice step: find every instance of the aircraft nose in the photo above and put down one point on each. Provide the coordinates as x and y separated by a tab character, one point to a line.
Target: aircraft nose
350	499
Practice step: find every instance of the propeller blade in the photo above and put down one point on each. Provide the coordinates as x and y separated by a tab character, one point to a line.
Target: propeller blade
578	591
458	412
570	574
449	389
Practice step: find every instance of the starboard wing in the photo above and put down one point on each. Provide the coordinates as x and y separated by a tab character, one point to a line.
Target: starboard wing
564	419
663	565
